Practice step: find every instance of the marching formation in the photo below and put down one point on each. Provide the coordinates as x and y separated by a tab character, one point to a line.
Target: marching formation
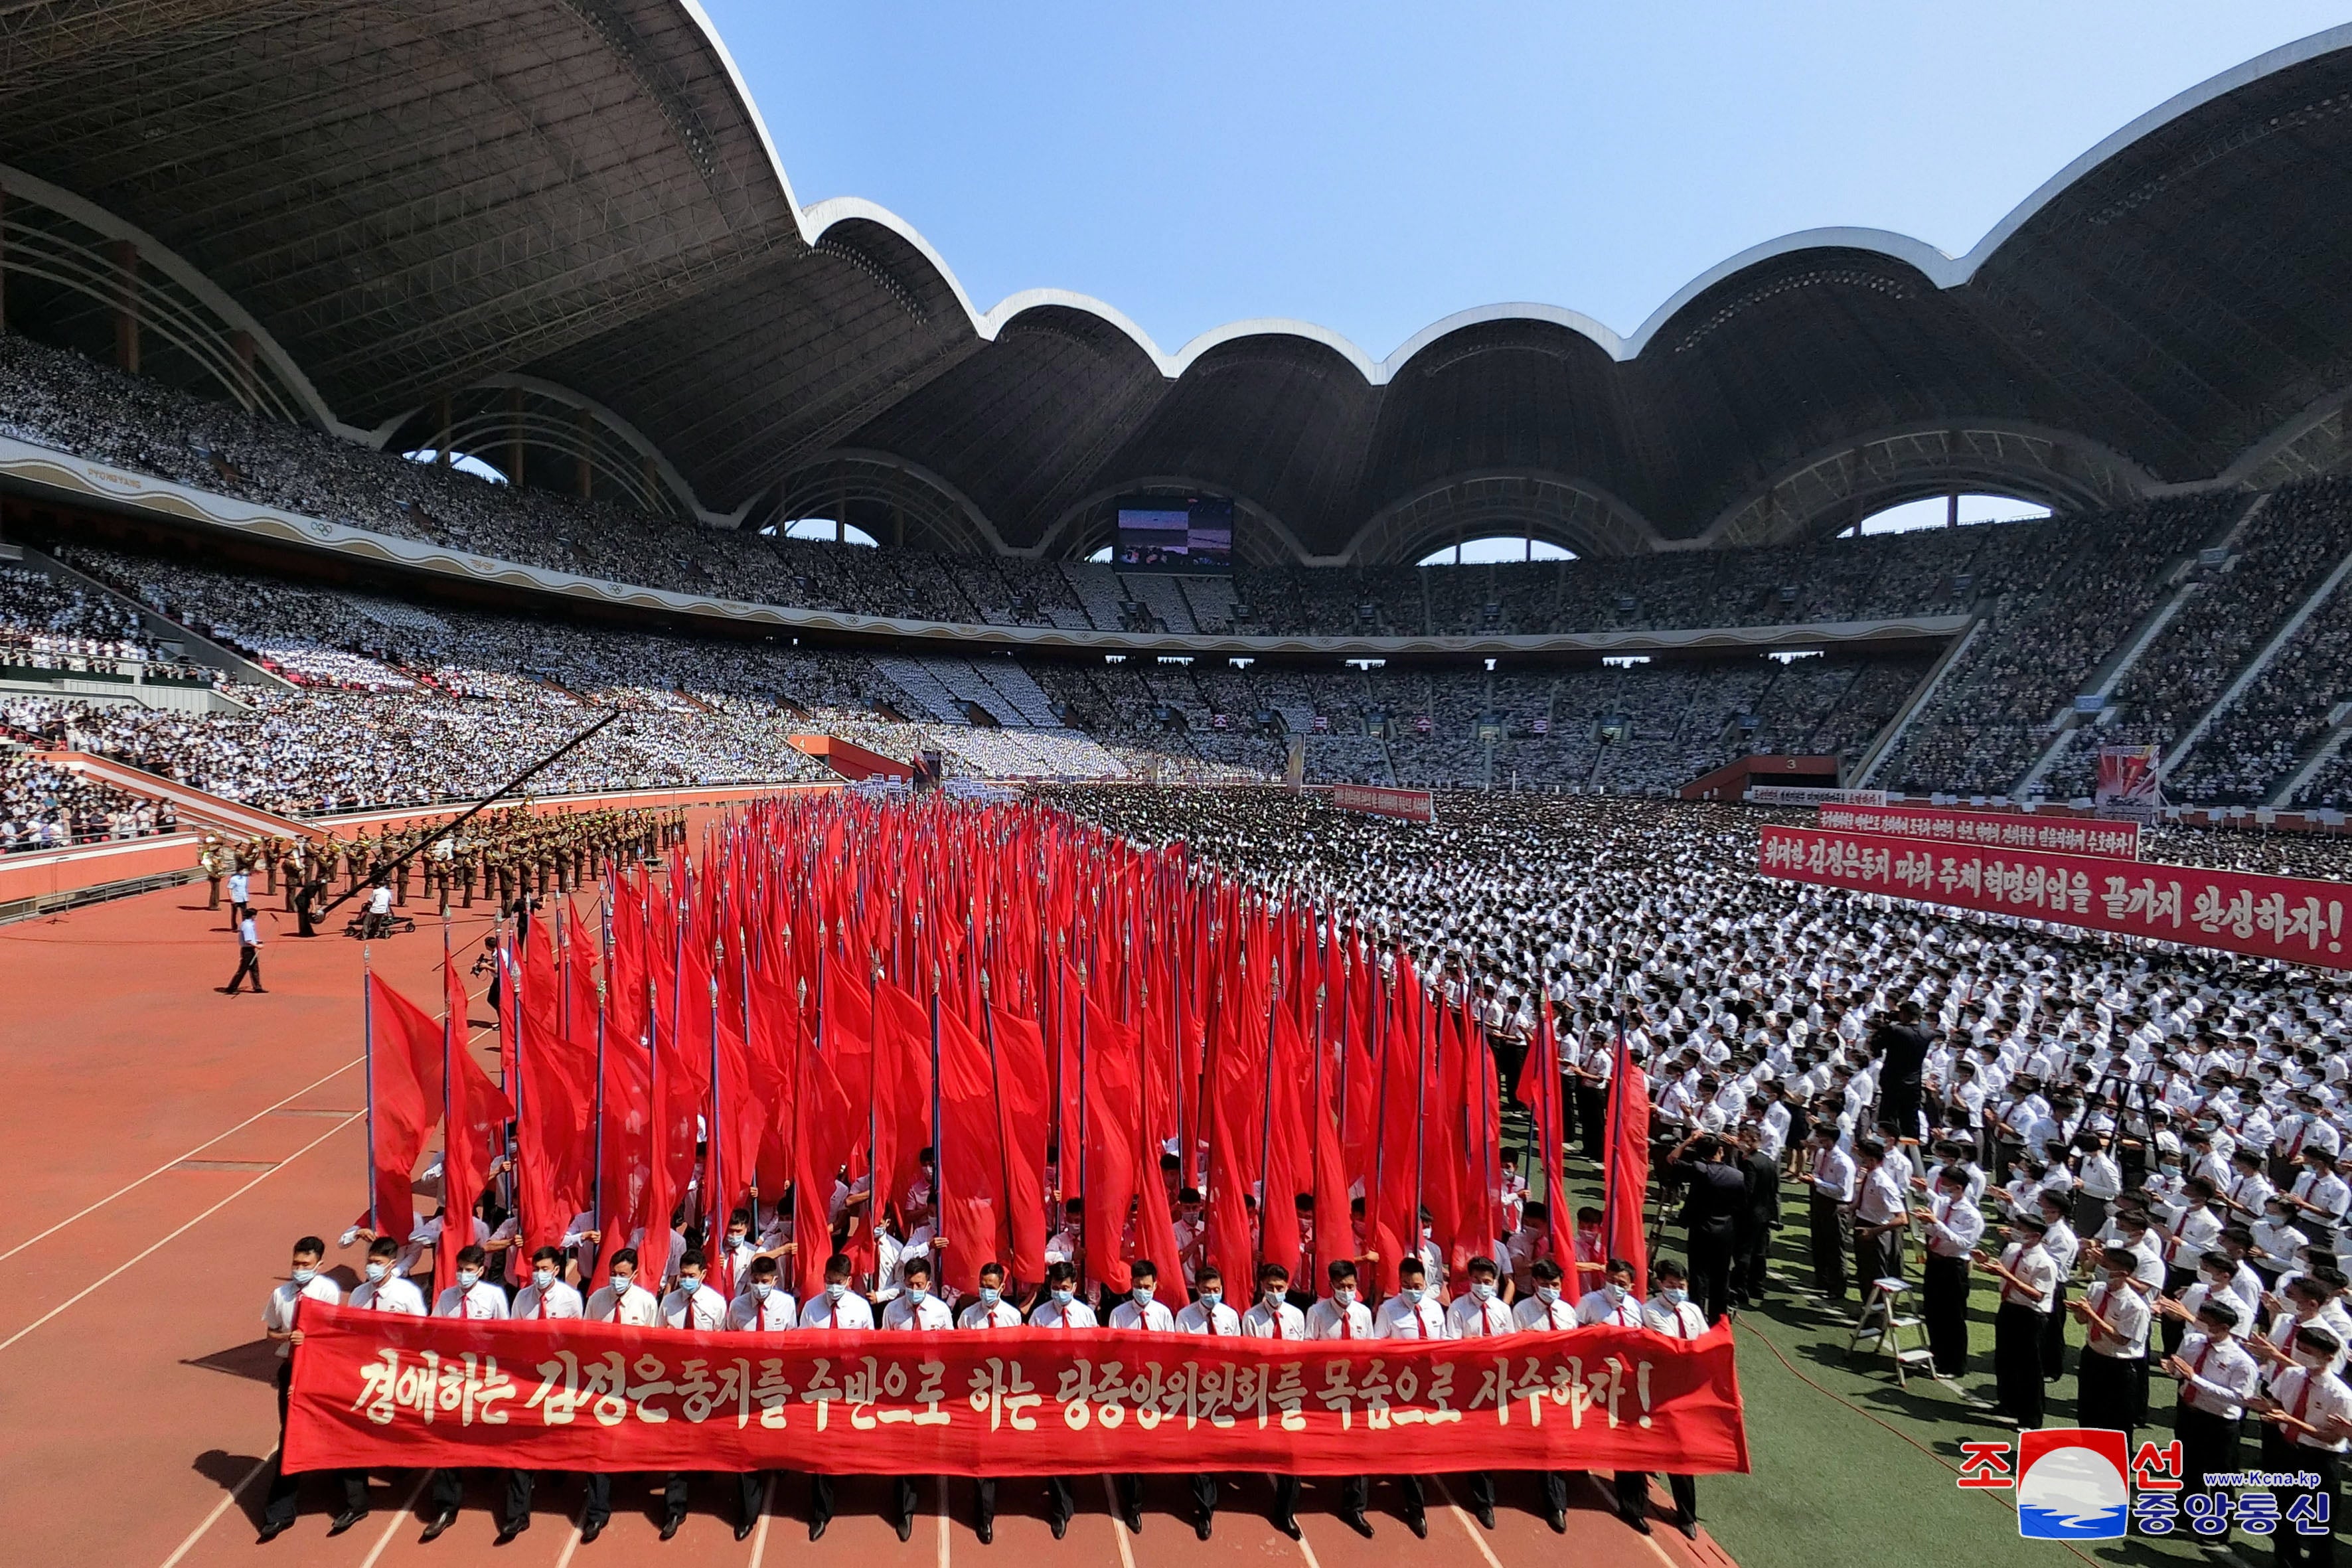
860	1066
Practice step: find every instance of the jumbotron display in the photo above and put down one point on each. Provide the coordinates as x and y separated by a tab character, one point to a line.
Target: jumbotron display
1175	534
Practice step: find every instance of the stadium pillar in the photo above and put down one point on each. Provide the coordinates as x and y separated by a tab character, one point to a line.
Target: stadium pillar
514	435
653	481
4	260
1952	510
580	420
125	256
441	440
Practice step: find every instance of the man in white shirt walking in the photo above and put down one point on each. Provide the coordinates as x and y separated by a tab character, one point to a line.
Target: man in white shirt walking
1479	1314
475	1298
279	1324
626	1302
545	1299
1208	1316
835	1307
1672	1314
1342	1316
1142	1312
248	957
1060	1311
1272	1317
914	1310
1544	1310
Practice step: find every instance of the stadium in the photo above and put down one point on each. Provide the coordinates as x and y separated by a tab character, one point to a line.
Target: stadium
704	725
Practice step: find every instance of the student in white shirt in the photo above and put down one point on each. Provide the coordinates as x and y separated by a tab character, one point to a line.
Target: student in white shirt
1208	1315
1479	1314
2110	1388
1672	1314
1833	1191
475	1298
1614	1302
1545	1311
546	1296
2311	1406
915	1310
1953	1227
835	1307
1060	1310
1272	1317
2029	1291
1142	1312
694	1304
1342	1315
627	1302
386	1289
2217	1379
280	1323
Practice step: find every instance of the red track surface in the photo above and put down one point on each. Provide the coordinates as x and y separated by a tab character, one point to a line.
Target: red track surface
161	1145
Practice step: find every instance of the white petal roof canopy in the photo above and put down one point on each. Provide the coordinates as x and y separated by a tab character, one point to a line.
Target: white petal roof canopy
415	198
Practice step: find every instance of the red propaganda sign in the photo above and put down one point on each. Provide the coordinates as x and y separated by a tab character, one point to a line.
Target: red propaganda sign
1411	804
2000	830
374	1389
2284	917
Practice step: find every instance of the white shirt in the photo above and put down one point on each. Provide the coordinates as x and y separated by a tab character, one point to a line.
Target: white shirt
1283	1322
1152	1316
484	1300
1399	1318
392	1293
1470	1319
562	1301
980	1315
748	1315
2313	1397
1051	1314
701	1308
639	1309
1206	1318
2128	1311
821	1311
1682	1319
905	1313
1528	1312
2224	1375
1329	1320
1597	1307
278	1313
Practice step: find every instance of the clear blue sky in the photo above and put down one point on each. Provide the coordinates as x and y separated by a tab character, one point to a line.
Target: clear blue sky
1374	166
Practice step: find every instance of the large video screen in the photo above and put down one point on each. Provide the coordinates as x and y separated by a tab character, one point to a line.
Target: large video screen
1175	534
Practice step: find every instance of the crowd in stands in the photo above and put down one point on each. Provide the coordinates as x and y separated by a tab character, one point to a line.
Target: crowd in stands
49	624
46	806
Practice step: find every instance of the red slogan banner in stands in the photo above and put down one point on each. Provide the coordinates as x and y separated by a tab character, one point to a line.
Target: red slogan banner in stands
2267	916
379	1390
1413	804
1998	830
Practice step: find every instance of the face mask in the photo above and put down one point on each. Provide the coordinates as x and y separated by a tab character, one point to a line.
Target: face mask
304	1275
737	1237
1143	1294
1062	1296
1615	1291
1345	1295
1411	1294
468	1277
621	1283
376	1271
690	1283
542	1278
1483	1288
1211	1298
834	1290
758	1291
989	1295
1546	1294
2315	1359
1675	1297
917	1292
1274	1295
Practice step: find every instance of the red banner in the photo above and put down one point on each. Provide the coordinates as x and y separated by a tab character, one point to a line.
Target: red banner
1994	830
2284	917
376	1389
1411	804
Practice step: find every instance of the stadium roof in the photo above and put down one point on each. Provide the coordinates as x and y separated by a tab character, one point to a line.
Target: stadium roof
412	197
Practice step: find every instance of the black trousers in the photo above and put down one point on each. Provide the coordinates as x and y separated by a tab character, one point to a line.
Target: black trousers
820	1497
1878	1255
1129	1488
2208	1444
1944	1308
1205	1492
286	1490
1555	1490
2173	1329
2291	1546
2106	1393
1057	1492
1831	1226
248	964
600	1496
750	1492
449	1490
1416	1503
1751	1252
1634	1493
2054	1335
2017	1361
902	1498
1710	1268
1591	1117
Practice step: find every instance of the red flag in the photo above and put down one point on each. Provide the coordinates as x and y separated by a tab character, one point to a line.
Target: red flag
473	1124
401	1038
1113	1105
1629	1162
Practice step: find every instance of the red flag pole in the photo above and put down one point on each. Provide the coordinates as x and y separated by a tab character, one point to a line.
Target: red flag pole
1266	1119
367	1052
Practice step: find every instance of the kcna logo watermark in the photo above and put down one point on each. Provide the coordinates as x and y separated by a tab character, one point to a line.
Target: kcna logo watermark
2075	1483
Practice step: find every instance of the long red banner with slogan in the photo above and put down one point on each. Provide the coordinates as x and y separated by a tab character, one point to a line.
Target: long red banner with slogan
1994	829
2285	918
1411	804
373	1389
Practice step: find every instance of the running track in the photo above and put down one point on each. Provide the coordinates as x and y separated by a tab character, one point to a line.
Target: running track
161	1145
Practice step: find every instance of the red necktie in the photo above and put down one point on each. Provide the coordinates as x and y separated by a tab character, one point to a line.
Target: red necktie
1347	1321
543	1303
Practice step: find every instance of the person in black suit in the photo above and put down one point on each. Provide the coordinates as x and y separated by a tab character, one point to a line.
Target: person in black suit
1715	1196
1904	1046
1752	1235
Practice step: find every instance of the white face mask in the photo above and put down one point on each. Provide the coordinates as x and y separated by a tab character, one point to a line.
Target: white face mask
468	1277
1274	1295
1064	1295
2315	1359
1412	1294
542	1278
1211	1298
1143	1294
304	1275
621	1283
376	1271
1676	1296
917	1292
759	1290
1345	1295
1614	1292
1546	1294
834	1290
1483	1288
690	1283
